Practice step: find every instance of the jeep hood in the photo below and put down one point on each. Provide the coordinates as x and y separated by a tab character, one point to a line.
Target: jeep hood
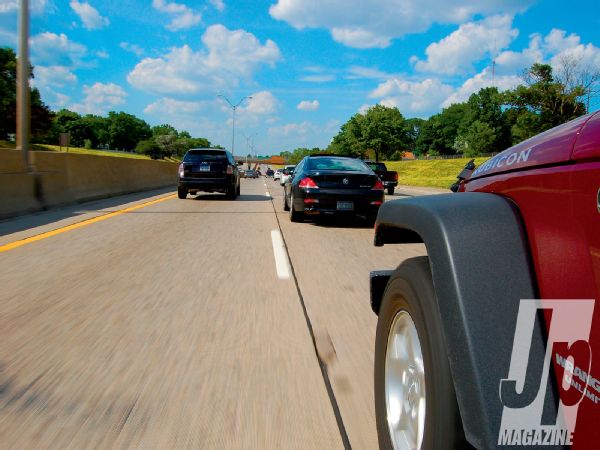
550	147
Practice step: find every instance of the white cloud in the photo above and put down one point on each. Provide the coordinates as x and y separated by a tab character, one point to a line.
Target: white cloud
9	6
230	56
412	97
132	48
56	49
307	105
471	42
102	54
91	18
263	102
550	49
361	24
172	107
480	81
359	72
53	76
318	78
182	17
100	98
218	4
357	37
296	130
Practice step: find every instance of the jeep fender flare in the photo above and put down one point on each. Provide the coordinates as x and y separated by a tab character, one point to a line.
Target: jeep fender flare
481	269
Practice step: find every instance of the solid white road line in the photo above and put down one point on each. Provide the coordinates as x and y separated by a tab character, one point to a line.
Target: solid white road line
281	260
268	194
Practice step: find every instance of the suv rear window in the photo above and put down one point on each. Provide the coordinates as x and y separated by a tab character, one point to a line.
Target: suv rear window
196	156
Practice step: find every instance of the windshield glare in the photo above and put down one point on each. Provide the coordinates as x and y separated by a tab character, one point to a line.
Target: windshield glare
345	164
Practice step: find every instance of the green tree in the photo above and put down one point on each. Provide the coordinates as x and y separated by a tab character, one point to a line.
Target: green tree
41	116
544	101
149	147
126	130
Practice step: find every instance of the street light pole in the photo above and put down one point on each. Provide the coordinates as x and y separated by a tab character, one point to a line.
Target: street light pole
234	108
23	73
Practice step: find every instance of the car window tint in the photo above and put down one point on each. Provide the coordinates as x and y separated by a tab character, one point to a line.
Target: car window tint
377	166
348	164
196	156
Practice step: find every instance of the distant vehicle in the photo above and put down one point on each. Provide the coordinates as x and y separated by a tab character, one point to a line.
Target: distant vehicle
242	173
270	172
389	178
287	172
251	174
324	184
208	170
277	175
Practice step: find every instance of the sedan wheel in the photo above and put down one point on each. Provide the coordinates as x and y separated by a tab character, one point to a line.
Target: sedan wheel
295	216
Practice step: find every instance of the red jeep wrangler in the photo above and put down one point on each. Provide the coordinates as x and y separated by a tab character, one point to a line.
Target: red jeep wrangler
454	367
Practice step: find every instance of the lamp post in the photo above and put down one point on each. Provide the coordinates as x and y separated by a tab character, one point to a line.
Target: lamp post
23	72
233	107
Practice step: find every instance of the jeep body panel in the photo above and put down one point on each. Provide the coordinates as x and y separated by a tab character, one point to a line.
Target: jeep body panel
478	297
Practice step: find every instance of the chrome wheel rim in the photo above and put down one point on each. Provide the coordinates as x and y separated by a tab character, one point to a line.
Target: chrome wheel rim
404	384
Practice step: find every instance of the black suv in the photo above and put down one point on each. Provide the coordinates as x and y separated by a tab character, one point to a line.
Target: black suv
208	170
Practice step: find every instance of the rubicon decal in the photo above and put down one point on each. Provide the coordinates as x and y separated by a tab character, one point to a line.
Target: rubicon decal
504	159
526	394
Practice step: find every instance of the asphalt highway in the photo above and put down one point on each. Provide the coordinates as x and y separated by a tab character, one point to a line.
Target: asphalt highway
149	321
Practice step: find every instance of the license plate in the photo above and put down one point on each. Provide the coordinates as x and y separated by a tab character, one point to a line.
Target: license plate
345	206
204	168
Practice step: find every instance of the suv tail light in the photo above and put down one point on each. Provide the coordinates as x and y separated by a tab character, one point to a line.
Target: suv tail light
395	176
180	170
229	169
308	183
378	186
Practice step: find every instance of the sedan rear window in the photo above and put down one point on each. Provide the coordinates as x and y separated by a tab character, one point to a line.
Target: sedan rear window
377	166
348	164
196	156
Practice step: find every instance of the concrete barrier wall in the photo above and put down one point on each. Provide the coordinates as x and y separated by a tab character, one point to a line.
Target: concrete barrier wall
64	178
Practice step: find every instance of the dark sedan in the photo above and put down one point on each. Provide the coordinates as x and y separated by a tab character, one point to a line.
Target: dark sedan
326	184
208	170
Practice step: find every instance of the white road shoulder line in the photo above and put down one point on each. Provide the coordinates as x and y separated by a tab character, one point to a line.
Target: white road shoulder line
282	263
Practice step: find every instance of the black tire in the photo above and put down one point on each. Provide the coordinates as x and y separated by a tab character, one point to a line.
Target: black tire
285	203
390	190
295	216
231	192
410	289
182	193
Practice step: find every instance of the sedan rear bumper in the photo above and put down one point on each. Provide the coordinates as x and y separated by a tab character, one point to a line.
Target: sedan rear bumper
326	202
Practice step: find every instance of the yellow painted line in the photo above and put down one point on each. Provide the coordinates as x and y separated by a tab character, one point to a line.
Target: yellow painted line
83	223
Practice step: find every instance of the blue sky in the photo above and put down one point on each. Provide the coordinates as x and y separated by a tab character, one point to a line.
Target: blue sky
308	65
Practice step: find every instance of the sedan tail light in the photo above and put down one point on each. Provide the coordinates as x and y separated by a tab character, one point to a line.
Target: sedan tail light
180	170
378	186
229	170
307	183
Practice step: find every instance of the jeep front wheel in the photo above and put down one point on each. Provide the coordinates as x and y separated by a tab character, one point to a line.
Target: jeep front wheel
415	402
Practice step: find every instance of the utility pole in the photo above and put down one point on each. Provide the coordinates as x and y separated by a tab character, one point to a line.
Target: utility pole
234	108
23	73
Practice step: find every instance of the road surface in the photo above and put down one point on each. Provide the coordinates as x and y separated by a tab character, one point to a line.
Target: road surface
149	321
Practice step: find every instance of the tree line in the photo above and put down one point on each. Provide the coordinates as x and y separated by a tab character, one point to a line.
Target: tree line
488	122
117	130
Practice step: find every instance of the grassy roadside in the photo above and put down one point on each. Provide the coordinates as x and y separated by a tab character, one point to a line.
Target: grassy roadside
84	151
440	173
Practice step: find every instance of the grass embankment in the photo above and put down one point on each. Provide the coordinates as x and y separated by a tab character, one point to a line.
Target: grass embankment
85	151
440	173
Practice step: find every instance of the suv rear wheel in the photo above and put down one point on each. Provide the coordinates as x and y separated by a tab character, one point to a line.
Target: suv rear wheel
415	402
182	193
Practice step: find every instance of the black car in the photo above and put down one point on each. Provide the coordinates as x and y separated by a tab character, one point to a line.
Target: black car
270	173
208	170
327	184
